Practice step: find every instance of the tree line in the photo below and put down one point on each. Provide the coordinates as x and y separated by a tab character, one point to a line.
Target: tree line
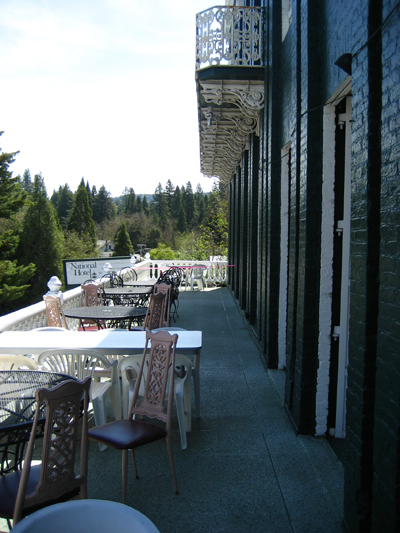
38	232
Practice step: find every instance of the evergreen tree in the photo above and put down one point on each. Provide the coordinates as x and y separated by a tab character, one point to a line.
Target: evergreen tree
159	203
145	205
154	238
122	241
130	202
139	206
169	191
176	203
27	181
42	240
81	220
102	206
215	232
188	205
64	205
55	197
181	224
14	278
200	207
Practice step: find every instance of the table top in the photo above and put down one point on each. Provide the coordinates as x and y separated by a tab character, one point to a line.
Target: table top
82	516
129	290
140	283
106	312
18	394
106	341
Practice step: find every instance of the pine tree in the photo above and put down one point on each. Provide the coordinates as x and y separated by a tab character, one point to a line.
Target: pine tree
27	181
145	205
122	241
188	204
64	205
102	205
42	240
81	220
181	224
176	202
14	278
169	191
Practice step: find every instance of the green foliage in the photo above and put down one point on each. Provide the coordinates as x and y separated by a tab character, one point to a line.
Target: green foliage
63	202
14	278
154	238
26	181
102	203
163	252
81	220
41	240
122	242
77	246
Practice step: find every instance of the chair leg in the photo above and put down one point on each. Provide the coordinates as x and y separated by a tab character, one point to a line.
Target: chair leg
134	464
100	418
171	460
196	385
180	411
187	403
115	395
124	474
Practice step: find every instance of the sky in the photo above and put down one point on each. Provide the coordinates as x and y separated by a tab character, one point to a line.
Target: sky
102	90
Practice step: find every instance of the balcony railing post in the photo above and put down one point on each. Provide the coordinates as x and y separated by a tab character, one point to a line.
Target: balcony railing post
54	285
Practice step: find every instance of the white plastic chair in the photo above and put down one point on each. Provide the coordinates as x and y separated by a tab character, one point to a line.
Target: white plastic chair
15	362
196	274
129	367
82	363
195	371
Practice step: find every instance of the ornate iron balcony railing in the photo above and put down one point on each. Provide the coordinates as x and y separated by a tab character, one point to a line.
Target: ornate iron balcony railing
229	36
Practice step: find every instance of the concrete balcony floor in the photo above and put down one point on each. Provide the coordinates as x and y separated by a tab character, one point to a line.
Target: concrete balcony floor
244	469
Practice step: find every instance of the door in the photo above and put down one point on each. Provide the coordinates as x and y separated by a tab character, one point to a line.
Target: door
341	271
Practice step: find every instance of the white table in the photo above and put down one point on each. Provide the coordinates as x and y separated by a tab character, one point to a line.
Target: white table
106	341
81	516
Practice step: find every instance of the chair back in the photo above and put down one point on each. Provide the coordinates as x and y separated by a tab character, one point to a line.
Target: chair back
155	312
155	369
91	295
77	363
128	274
129	368
54	312
57	478
165	289
15	362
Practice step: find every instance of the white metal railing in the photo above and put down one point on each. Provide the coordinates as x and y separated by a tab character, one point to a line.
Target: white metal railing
34	316
227	35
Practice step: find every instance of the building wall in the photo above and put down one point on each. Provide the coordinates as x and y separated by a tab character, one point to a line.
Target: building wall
300	78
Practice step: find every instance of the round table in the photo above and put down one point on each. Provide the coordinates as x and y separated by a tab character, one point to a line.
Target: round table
81	516
115	315
17	411
136	296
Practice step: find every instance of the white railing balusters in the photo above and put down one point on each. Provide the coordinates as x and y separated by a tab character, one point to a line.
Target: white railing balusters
34	316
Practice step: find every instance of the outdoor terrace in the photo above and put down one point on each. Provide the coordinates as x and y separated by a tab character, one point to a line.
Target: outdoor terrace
244	469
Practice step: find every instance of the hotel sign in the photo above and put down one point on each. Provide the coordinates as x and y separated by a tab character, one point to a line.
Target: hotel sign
77	271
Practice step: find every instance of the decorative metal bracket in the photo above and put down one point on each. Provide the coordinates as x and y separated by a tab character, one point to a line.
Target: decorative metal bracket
230	85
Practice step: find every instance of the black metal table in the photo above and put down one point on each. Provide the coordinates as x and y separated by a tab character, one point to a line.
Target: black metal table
114	315
128	295
17	411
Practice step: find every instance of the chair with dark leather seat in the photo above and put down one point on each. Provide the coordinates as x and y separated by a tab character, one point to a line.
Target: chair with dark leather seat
54	480
130	433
